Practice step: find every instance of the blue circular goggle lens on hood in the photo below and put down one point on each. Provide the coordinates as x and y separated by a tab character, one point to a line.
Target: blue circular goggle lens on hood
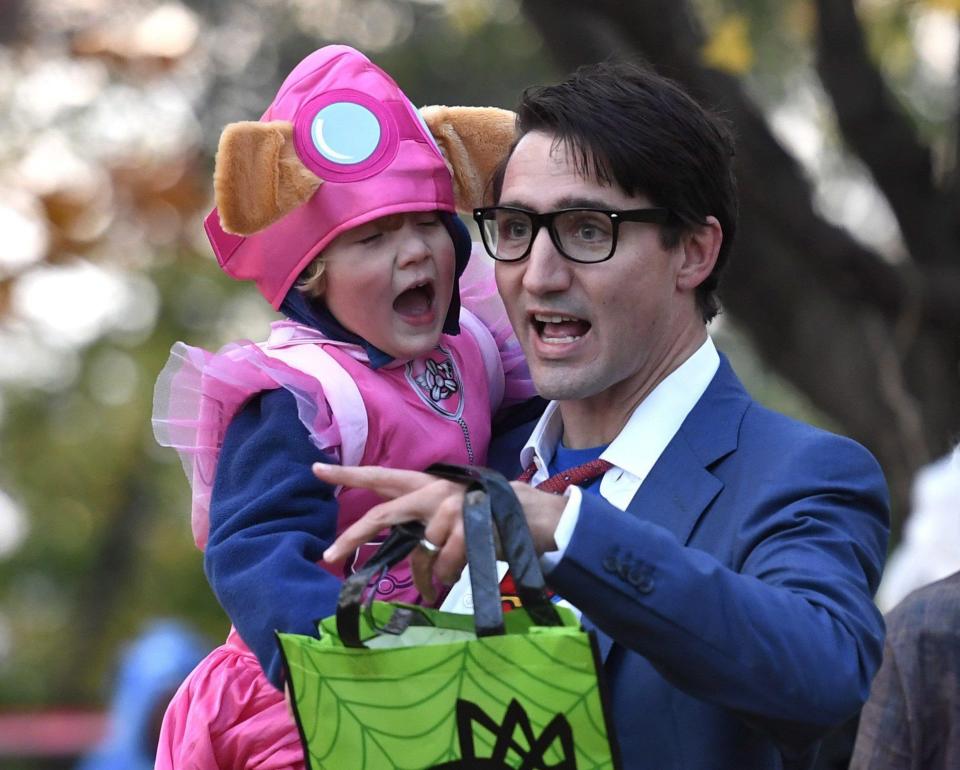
345	133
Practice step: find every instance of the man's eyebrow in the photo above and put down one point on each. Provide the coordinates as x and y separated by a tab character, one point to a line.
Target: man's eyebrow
567	202
571	202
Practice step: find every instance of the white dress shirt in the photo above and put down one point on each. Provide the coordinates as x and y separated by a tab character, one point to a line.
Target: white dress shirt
637	447
635	450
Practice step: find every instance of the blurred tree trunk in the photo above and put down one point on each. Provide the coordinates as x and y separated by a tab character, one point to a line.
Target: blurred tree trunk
100	591
11	20
875	346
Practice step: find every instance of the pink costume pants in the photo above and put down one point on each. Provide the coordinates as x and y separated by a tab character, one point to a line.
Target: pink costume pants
227	716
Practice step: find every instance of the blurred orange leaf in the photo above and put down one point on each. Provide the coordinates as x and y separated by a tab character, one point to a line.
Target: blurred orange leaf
729	47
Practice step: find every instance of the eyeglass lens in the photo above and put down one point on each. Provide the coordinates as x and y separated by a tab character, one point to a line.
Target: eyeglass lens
581	234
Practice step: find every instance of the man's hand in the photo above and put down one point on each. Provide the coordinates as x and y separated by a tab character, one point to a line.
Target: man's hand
411	496
438	503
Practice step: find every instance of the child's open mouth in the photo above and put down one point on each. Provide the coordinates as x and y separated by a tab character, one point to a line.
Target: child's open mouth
416	302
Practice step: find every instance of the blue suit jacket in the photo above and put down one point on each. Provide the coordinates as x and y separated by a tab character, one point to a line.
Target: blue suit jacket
732	599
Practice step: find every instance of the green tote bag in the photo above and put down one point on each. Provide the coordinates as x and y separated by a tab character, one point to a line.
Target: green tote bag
402	687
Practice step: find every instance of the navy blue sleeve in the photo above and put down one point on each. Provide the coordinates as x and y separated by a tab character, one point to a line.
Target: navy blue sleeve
270	521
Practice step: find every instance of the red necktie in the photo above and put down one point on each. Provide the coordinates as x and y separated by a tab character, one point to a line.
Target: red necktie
579	475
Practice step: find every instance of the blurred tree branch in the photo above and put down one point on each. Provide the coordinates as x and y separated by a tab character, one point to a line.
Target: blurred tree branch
100	590
880	133
11	20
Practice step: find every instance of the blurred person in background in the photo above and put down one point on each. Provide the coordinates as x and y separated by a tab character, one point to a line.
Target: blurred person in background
150	671
930	548
911	720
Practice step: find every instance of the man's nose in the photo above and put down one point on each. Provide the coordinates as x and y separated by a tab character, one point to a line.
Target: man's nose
546	270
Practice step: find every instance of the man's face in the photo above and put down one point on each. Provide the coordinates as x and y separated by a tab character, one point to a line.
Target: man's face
603	331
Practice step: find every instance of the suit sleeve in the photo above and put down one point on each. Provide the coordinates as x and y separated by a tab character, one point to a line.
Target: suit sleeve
782	627
270	521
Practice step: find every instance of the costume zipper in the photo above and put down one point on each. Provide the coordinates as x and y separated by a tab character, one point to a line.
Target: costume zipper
466	439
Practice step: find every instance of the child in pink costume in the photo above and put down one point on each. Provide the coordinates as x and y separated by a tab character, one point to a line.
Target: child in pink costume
381	367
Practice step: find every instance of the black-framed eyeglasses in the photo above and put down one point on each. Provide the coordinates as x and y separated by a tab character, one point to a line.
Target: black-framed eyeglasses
581	234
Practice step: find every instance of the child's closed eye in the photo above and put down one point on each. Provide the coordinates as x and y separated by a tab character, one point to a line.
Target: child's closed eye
372	238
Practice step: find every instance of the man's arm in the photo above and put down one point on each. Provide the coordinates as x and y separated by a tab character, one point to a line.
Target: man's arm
777	619
270	521
790	634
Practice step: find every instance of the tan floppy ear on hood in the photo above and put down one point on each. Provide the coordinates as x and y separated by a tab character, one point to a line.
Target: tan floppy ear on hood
474	141
258	177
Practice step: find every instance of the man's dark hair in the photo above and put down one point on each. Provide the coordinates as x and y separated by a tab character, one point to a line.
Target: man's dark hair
629	126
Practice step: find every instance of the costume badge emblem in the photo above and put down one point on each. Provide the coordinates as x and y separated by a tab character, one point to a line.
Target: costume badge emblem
436	379
388	583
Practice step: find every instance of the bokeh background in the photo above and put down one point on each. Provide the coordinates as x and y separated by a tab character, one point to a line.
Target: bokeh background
842	302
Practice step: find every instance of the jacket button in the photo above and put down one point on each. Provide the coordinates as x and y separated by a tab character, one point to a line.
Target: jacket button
642	580
645	586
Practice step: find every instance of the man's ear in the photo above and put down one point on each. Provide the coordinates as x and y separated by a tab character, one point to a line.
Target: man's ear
258	177
700	249
474	141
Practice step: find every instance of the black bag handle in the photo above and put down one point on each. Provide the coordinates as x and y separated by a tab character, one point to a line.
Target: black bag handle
402	539
489	499
498	502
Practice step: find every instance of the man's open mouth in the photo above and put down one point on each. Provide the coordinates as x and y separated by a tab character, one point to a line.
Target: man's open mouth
415	301
559	329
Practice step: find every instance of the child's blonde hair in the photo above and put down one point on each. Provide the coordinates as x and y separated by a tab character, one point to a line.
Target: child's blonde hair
311	281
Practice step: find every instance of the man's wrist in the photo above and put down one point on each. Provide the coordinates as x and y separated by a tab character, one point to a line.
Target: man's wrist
565	527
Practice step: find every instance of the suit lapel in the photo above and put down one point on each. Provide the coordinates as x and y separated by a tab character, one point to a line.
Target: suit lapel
676	492
679	487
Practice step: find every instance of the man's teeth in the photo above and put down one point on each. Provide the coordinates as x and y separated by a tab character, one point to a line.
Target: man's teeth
550	331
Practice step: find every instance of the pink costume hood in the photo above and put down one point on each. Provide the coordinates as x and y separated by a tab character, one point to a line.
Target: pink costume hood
356	130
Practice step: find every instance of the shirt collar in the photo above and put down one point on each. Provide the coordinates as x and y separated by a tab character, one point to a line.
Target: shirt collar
651	426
